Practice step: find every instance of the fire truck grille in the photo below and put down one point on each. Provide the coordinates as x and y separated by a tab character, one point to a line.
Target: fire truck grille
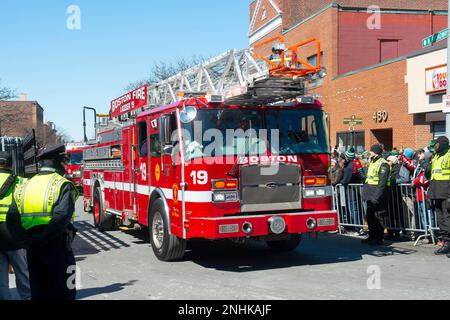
270	188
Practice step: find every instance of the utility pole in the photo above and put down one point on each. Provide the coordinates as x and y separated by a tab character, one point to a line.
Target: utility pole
447	115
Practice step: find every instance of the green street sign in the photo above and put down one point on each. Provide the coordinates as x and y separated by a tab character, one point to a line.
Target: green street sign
442	35
353	121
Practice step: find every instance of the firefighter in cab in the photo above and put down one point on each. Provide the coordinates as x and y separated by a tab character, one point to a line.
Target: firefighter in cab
375	193
439	191
47	205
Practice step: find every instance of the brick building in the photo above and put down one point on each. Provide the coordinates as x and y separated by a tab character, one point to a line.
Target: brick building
365	53
17	118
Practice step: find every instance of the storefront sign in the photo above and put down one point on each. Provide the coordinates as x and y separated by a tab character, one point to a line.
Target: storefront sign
436	79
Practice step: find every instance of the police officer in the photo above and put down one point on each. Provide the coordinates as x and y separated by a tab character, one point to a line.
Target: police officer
439	191
375	193
11	252
47	204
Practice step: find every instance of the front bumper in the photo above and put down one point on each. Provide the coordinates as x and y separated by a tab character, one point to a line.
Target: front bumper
232	227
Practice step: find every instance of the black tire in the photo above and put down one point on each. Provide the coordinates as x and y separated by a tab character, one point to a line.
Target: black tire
285	245
166	247
102	221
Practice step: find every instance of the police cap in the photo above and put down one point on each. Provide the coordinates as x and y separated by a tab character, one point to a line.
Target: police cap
53	153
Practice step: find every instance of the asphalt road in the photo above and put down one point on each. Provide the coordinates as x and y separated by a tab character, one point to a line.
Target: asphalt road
118	265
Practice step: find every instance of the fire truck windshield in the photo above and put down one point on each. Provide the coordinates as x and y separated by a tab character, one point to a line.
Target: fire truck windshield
227	132
76	158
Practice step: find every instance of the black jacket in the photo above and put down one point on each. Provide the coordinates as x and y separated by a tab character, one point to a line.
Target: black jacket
377	194
349	176
438	189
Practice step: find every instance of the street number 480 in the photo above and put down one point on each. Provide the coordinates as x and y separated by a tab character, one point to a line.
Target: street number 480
199	177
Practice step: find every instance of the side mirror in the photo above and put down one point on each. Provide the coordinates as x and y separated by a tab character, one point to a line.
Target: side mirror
165	130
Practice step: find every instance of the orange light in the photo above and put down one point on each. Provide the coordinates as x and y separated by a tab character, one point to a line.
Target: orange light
310	181
181	94
315	181
322	181
219	185
225	184
231	184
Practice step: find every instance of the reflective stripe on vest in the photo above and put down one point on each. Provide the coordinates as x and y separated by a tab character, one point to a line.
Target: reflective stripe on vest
37	197
440	170
373	174
7	200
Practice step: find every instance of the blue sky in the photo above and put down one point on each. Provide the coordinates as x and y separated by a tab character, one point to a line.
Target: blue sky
118	43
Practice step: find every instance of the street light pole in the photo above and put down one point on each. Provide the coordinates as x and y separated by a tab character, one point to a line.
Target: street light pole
447	115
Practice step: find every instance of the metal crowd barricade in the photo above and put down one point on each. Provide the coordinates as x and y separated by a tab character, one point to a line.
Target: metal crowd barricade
404	212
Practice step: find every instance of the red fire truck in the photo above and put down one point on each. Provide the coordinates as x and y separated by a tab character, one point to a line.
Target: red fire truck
151	167
75	167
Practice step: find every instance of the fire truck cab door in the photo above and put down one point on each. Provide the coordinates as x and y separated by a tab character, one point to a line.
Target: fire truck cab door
142	169
128	175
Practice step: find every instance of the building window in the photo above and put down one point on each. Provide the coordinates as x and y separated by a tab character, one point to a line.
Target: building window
347	140
438	129
312	60
388	50
264	14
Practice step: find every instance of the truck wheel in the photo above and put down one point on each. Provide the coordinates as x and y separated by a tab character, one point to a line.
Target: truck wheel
166	247
102	221
285	245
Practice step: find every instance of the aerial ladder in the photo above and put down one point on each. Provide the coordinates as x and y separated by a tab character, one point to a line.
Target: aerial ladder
245	77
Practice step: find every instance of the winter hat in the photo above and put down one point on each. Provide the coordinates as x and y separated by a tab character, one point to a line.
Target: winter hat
377	149
350	154
393	159
409	153
443	144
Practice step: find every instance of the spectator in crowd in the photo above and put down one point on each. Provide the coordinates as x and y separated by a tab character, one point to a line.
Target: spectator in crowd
336	172
395	168
407	166
395	200
421	183
350	175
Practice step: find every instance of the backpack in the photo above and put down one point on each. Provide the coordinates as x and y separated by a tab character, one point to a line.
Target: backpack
404	175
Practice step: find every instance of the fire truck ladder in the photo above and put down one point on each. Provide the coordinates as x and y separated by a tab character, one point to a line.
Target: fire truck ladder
245	77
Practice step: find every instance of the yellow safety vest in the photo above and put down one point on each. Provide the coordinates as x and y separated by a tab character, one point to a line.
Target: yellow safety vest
440	169
36	198
7	200
373	174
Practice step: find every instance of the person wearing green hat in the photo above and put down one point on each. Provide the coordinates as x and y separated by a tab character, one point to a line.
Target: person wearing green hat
350	176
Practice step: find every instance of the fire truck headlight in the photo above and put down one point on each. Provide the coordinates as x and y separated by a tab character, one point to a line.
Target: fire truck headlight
320	192
310	193
225	197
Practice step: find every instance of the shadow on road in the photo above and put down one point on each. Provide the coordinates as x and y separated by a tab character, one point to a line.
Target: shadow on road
86	293
90	241
255	256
